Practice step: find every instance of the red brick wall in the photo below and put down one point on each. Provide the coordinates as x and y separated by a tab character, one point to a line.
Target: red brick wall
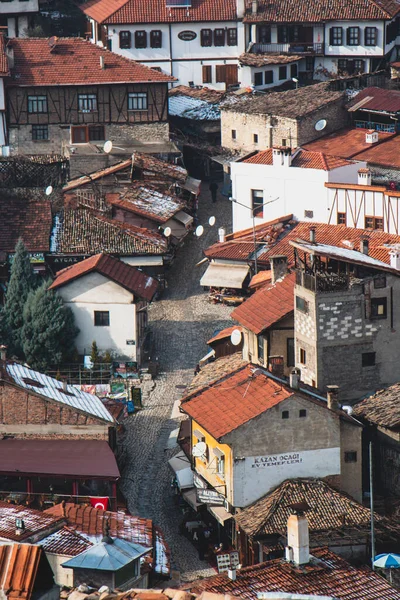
18	407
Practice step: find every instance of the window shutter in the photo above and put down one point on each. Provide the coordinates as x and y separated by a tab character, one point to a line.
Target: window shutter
220	73
207	74
331	36
348	35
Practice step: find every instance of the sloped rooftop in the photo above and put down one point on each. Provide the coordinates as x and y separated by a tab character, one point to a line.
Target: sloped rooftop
382	408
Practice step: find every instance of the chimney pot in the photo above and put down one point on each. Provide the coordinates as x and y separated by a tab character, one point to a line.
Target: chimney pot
371	137
364	177
312	235
102	65
3	352
364	245
298	539
332	396
232	574
221	235
279	267
294	379
65	385
395	258
254	7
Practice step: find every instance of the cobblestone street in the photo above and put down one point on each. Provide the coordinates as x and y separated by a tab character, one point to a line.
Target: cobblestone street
181	322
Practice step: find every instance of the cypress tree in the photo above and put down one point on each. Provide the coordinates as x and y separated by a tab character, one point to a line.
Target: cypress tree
49	330
22	281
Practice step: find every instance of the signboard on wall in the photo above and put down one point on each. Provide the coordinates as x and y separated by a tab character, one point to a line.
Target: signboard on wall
187	36
209	497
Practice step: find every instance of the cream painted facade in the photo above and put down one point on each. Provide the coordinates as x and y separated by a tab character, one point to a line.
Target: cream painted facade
294	190
94	292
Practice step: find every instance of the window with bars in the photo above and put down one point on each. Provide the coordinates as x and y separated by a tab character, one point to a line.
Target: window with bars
370	36
207	73
156	38
40	132
335	36
37	104
219	37
137	101
141	39
282	73
353	36
87	102
206	37
125	39
341	218
232	36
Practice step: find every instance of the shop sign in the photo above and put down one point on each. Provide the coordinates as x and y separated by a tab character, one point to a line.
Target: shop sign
209	497
187	36
199	482
277	460
35	258
130	342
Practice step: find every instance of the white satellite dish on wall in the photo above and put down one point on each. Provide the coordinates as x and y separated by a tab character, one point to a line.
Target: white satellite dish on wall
320	125
199	449
199	230
108	146
211	221
236	337
167	231
48	190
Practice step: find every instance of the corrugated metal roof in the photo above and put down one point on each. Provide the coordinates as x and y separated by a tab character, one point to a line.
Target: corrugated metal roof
53	389
107	556
193	108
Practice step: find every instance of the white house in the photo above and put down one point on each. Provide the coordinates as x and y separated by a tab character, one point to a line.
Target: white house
196	41
294	183
109	300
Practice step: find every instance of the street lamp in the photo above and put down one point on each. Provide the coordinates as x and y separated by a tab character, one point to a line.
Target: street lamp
253	213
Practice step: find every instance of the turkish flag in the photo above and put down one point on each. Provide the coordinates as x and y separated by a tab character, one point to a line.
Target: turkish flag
100	503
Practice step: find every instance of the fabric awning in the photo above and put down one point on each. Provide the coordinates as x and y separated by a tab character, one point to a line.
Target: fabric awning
190	497
220	513
183	218
225	275
191	185
183	470
172	440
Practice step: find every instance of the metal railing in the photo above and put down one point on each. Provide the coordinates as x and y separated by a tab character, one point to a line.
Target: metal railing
290	48
387	127
322	282
79	375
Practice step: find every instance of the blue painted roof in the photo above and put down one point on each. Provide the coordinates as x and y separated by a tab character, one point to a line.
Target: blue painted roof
107	557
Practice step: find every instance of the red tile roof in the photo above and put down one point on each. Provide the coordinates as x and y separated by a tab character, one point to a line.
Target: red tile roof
35	522
329	575
303	159
379	99
348	143
128	277
66	541
316	11
277	241
386	154
19	565
267	306
233	401
156	11
222	335
74	61
26	218
382	409
91	521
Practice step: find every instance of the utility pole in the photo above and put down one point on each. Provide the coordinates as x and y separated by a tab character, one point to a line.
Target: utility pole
371	497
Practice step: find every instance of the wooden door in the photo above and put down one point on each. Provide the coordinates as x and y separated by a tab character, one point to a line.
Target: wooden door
79	135
231	74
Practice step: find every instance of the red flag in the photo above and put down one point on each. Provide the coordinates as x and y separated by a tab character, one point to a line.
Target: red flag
100	503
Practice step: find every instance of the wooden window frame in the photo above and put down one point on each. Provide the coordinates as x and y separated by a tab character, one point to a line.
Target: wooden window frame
156	38
37	104
371	222
206	38
87	103
138	96
341	218
125	44
336	36
376	303
206	73
256	206
353	36
141	39
371	36
100	316
74	129
219	37
36	128
232	36
282	72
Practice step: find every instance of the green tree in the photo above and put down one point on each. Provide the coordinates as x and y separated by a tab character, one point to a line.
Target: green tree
4	331
22	282
95	355
49	329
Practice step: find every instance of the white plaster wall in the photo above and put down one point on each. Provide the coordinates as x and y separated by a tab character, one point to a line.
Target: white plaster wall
17	7
255	476
63	577
346	51
297	190
246	75
93	292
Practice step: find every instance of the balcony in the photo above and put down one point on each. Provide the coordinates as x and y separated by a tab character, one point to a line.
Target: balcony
386	127
323	282
290	48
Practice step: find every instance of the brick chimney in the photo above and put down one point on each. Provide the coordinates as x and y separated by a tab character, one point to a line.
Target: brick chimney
279	267
298	542
332	396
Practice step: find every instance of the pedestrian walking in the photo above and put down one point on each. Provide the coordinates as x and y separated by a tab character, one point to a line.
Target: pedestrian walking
213	189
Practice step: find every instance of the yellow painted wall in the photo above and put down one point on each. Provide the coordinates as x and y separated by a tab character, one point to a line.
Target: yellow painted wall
208	469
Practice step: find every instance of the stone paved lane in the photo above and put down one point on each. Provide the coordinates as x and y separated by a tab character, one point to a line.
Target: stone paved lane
181	321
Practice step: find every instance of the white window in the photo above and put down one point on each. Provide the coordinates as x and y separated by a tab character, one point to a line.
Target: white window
87	102
137	101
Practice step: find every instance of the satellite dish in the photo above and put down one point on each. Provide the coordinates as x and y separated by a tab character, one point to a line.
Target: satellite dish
167	231
48	190
199	449
236	337
108	145
211	221
320	125
199	230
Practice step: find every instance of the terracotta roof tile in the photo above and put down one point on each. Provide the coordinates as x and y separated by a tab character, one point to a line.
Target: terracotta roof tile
315	11
156	11
278	234
382	409
27	218
349	143
260	60
303	160
225	333
267	306
80	231
19	565
34	521
216	370
66	541
73	61
129	277
234	400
